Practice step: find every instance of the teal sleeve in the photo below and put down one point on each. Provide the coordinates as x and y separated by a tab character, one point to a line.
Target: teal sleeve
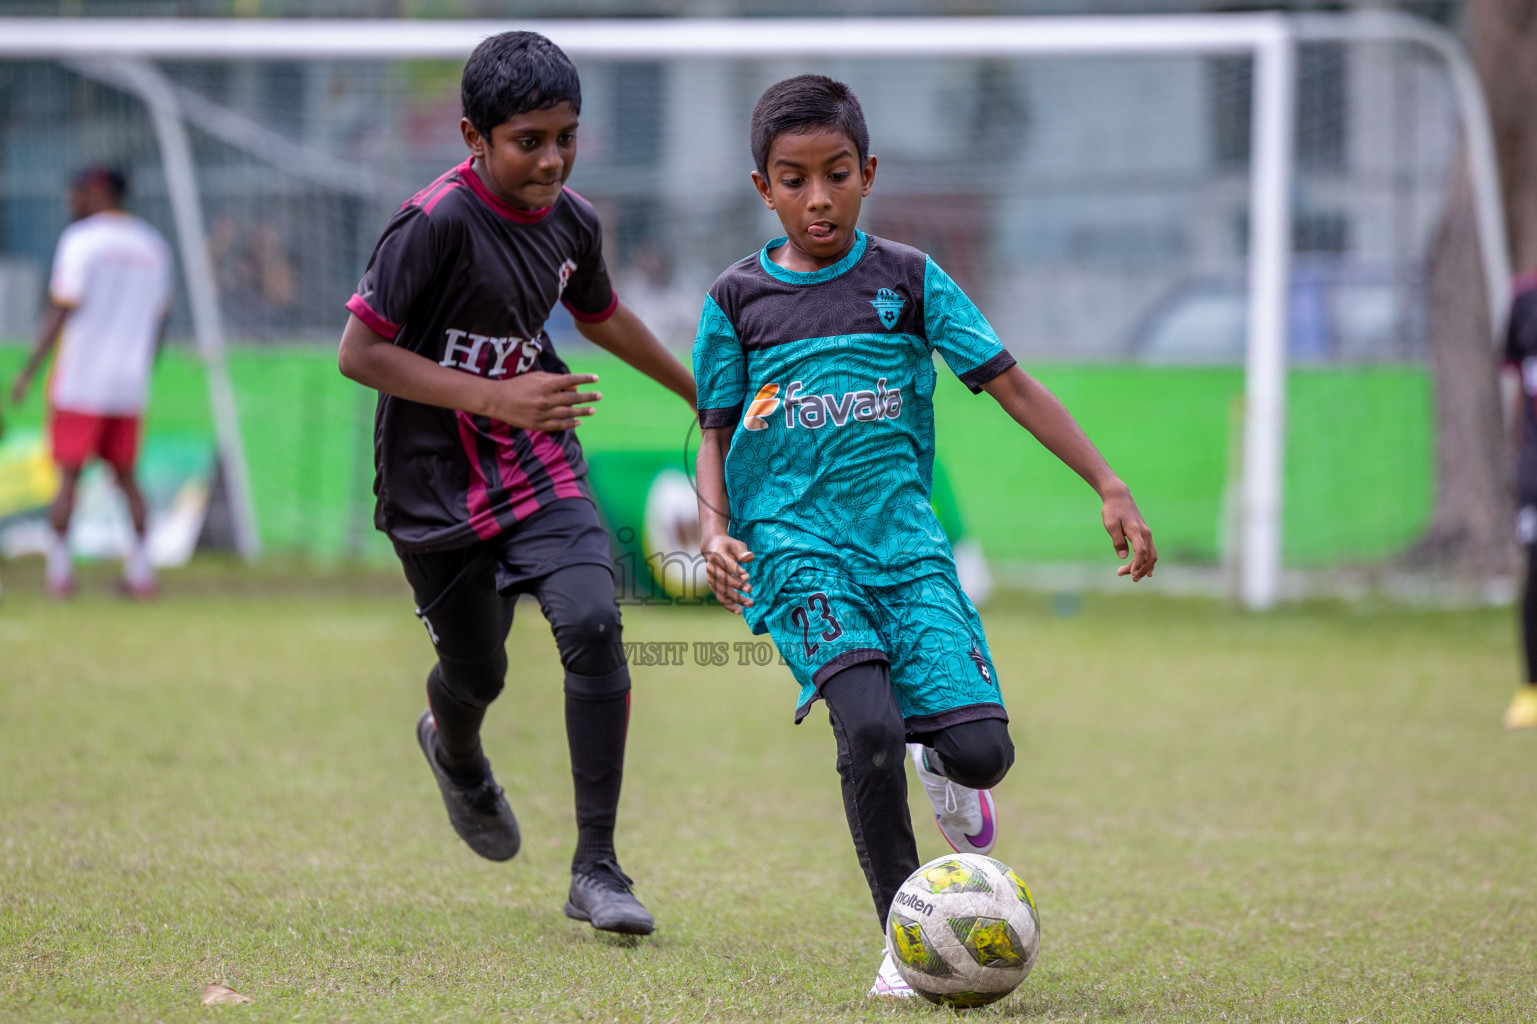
959	332
720	368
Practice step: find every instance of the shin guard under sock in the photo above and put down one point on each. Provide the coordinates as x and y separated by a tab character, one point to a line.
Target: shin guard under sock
458	730
595	732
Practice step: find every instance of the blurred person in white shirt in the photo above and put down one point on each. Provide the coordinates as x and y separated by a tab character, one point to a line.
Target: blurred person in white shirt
109	294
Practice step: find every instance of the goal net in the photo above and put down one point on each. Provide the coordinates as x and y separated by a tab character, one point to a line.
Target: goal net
1097	206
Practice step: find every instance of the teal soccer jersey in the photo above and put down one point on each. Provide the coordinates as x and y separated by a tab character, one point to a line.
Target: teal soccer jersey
827	379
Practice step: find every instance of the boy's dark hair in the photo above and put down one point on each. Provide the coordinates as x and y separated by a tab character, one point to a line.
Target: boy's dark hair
513	73
108	178
802	104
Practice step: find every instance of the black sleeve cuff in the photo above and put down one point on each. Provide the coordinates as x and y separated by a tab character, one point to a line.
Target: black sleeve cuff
975	378
712	418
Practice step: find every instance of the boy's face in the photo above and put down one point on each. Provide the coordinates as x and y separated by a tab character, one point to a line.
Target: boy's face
815	184
528	157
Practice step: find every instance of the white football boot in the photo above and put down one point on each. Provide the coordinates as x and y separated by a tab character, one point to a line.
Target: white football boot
889	981
59	576
965	816
138	574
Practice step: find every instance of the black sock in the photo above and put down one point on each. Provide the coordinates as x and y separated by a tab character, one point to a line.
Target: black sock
578	602
595	732
458	731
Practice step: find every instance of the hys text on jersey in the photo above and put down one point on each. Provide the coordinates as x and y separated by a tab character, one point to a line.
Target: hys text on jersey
486	356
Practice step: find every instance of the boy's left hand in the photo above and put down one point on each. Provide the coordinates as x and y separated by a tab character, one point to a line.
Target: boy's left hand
1129	533
725	568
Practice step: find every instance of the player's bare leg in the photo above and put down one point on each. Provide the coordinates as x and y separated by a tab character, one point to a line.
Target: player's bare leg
138	574
59	579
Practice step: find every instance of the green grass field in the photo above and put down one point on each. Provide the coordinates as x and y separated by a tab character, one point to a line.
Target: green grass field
1313	815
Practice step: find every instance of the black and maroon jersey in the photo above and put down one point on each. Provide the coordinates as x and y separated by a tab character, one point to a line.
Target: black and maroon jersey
468	281
1521	354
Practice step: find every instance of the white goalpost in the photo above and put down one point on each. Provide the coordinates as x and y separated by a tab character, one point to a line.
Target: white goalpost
121	52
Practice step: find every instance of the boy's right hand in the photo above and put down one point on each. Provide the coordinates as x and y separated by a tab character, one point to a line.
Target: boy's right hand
542	401
723	567
1129	533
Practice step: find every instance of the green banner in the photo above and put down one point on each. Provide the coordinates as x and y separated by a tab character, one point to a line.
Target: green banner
1359	453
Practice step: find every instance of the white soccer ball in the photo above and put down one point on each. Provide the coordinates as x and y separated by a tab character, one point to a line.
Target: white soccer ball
963	930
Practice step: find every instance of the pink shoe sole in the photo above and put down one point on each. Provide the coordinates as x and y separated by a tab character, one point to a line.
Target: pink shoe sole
984	841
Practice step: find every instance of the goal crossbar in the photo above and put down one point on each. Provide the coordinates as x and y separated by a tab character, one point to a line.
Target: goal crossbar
639	39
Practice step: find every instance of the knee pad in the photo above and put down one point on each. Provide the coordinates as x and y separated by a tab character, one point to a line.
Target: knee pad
976	755
865	717
474	682
609	685
591	643
876	734
876	742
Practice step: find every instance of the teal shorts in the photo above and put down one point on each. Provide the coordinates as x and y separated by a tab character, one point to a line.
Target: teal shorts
925	629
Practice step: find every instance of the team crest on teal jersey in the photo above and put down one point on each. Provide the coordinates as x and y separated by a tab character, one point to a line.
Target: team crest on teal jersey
888	306
981	663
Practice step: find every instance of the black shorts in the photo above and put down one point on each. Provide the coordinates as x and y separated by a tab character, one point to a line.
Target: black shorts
563	533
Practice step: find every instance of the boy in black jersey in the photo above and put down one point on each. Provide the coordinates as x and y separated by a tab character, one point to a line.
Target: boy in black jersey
480	479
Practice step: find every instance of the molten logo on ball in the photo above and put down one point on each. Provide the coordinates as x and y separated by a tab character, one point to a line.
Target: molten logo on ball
979	934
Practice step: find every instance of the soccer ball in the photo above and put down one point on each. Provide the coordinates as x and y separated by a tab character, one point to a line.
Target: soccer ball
963	930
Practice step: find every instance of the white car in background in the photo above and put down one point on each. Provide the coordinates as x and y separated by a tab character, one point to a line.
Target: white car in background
1338	313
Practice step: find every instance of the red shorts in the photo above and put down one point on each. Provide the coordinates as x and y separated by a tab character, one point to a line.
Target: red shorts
80	436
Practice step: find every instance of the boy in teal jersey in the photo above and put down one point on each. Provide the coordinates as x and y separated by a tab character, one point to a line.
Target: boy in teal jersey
814	361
